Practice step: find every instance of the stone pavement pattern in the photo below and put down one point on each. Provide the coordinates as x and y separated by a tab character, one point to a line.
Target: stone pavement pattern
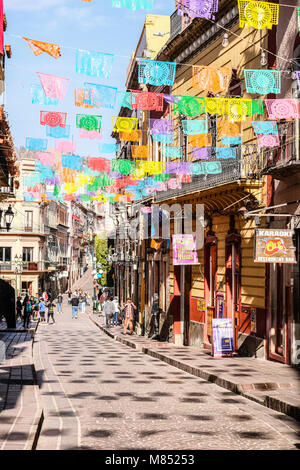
270	383
20	411
99	394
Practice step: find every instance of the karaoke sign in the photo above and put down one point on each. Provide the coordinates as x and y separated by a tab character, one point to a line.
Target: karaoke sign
274	246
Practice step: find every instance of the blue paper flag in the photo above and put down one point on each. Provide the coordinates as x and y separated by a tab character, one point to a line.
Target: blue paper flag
124	99
156	73
38	96
58	132
36	144
227	140
71	161
197	126
109	148
164	138
102	96
94	64
226	152
45	171
134	4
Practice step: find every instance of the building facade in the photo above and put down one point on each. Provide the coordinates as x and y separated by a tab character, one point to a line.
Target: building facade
227	282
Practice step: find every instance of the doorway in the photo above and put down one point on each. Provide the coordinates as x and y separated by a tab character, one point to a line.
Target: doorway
233	282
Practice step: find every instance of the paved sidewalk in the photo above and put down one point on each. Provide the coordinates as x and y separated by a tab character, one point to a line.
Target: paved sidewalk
271	384
20	410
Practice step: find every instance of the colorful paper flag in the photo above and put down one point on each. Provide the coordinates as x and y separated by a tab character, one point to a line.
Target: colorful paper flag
259	15
38	96
88	122
147	101
53	86
197	8
38	47
156	73
133	4
58	132
94	64
101	96
36	144
262	81
53	119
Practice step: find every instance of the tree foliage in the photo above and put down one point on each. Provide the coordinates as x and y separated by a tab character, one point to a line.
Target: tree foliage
101	252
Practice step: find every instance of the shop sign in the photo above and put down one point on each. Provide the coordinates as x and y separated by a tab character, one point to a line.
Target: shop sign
222	337
184	250
209	314
220	305
274	246
253	320
200	305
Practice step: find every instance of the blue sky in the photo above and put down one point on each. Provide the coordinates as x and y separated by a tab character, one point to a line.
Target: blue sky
73	24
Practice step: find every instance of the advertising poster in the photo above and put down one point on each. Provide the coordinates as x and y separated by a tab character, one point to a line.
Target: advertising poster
274	246
220	305
184	250
222	337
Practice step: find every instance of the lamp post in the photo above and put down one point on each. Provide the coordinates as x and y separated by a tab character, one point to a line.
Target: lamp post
8	215
18	270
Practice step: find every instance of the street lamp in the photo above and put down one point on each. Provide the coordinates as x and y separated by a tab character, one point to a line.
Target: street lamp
9	215
18	270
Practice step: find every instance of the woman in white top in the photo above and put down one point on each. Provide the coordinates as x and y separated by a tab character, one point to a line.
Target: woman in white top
116	310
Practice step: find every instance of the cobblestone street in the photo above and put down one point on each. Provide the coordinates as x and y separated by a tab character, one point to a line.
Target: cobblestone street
100	394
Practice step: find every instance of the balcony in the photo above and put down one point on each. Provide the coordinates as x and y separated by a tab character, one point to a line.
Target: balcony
176	25
284	161
26	266
230	172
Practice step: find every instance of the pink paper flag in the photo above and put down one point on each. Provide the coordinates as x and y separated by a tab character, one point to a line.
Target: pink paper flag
46	158
53	86
65	146
84	134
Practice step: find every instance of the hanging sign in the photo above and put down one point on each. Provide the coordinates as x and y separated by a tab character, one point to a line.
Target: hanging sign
184	250
222	337
253	319
220	305
274	246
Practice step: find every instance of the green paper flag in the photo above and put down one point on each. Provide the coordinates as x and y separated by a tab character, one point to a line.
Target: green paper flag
88	122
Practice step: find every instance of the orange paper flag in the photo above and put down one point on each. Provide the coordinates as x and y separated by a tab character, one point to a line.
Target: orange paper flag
39	47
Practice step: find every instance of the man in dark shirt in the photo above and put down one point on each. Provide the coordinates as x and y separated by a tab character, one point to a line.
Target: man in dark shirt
59	303
75	303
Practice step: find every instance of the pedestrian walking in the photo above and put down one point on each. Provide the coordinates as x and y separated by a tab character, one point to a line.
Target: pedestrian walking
80	297
108	311
116	311
45	296
128	309
103	298
59	303
51	306
83	302
19	308
27	311
69	294
155	312
75	303
35	308
42	309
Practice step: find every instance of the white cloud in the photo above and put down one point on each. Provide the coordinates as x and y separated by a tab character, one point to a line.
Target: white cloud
32	5
81	17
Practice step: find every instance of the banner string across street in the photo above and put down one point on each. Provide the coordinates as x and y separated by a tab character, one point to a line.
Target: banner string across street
63	175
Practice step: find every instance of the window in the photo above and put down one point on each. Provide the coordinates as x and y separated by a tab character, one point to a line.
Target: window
28	221
5	254
27	254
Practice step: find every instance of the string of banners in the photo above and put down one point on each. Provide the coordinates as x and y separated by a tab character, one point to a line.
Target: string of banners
61	174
